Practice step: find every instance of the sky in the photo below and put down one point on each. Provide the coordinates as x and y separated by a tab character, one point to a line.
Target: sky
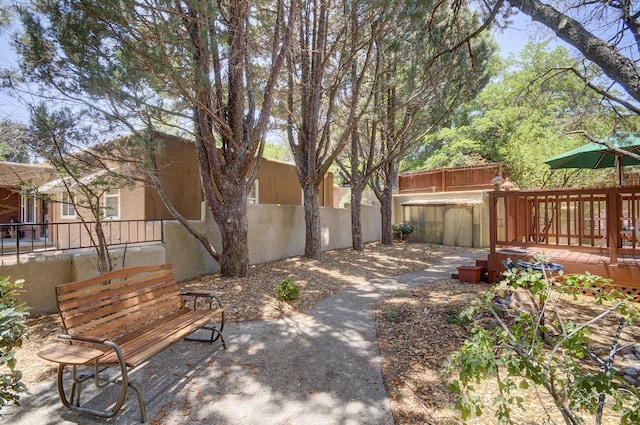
522	30
511	41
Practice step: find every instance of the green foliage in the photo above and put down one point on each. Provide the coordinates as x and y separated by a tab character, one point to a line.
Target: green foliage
391	313
453	317
13	141
12	330
521	119
402	230
277	151
287	290
543	348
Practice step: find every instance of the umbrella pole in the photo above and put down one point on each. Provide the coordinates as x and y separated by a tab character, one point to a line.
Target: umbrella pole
619	168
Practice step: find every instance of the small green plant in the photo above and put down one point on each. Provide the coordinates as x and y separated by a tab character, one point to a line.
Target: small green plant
12	331
287	290
402	230
391	313
453	317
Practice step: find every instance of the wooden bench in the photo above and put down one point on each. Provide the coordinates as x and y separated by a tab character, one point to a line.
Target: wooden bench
121	319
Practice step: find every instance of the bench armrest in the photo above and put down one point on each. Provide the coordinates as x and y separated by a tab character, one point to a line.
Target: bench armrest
202	293
82	338
97	341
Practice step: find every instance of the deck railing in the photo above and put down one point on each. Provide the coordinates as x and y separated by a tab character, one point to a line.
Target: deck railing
602	219
23	238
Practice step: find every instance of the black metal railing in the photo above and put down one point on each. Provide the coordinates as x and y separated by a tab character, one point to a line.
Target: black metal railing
23	238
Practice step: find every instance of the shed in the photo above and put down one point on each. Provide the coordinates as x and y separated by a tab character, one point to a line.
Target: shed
447	221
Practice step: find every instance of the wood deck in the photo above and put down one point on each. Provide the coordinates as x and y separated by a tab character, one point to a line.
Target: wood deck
594	230
625	274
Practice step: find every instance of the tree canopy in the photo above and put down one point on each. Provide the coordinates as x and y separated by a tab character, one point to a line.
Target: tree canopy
13	146
206	70
523	117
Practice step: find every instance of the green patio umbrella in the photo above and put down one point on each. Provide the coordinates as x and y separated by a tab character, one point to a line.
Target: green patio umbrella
595	156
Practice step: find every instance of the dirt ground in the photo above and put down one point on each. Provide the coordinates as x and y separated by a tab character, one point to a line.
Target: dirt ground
414	335
418	330
254	297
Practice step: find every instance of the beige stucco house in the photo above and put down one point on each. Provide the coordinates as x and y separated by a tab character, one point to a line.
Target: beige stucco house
276	183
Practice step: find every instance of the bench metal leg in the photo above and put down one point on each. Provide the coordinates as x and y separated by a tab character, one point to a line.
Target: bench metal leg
215	332
215	335
73	402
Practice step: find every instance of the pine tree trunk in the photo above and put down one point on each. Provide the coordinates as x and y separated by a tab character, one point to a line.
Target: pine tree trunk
234	258
386	212
386	209
313	241
356	217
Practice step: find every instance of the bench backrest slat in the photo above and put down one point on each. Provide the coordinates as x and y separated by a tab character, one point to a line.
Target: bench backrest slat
110	313
113	327
65	292
122	294
116	274
118	302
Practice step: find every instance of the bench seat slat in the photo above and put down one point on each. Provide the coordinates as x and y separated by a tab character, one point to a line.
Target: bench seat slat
158	338
128	319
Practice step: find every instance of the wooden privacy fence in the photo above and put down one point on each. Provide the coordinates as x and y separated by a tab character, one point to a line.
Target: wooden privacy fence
449	179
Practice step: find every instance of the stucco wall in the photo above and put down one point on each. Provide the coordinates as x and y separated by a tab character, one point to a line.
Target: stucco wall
278	184
41	274
180	176
9	205
84	263
275	232
179	172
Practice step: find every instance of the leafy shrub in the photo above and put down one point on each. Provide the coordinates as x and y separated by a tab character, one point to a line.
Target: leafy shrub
12	330
402	230
287	289
545	348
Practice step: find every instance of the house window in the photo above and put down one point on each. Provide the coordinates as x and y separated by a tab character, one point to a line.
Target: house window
67	209
29	209
252	196
111	204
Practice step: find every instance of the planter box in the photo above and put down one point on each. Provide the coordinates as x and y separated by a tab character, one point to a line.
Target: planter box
471	274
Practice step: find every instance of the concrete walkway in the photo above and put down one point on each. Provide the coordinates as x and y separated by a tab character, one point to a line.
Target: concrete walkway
321	367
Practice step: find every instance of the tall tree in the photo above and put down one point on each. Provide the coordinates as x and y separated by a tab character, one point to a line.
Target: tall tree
317	69
13	146
434	59
206	69
606	32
